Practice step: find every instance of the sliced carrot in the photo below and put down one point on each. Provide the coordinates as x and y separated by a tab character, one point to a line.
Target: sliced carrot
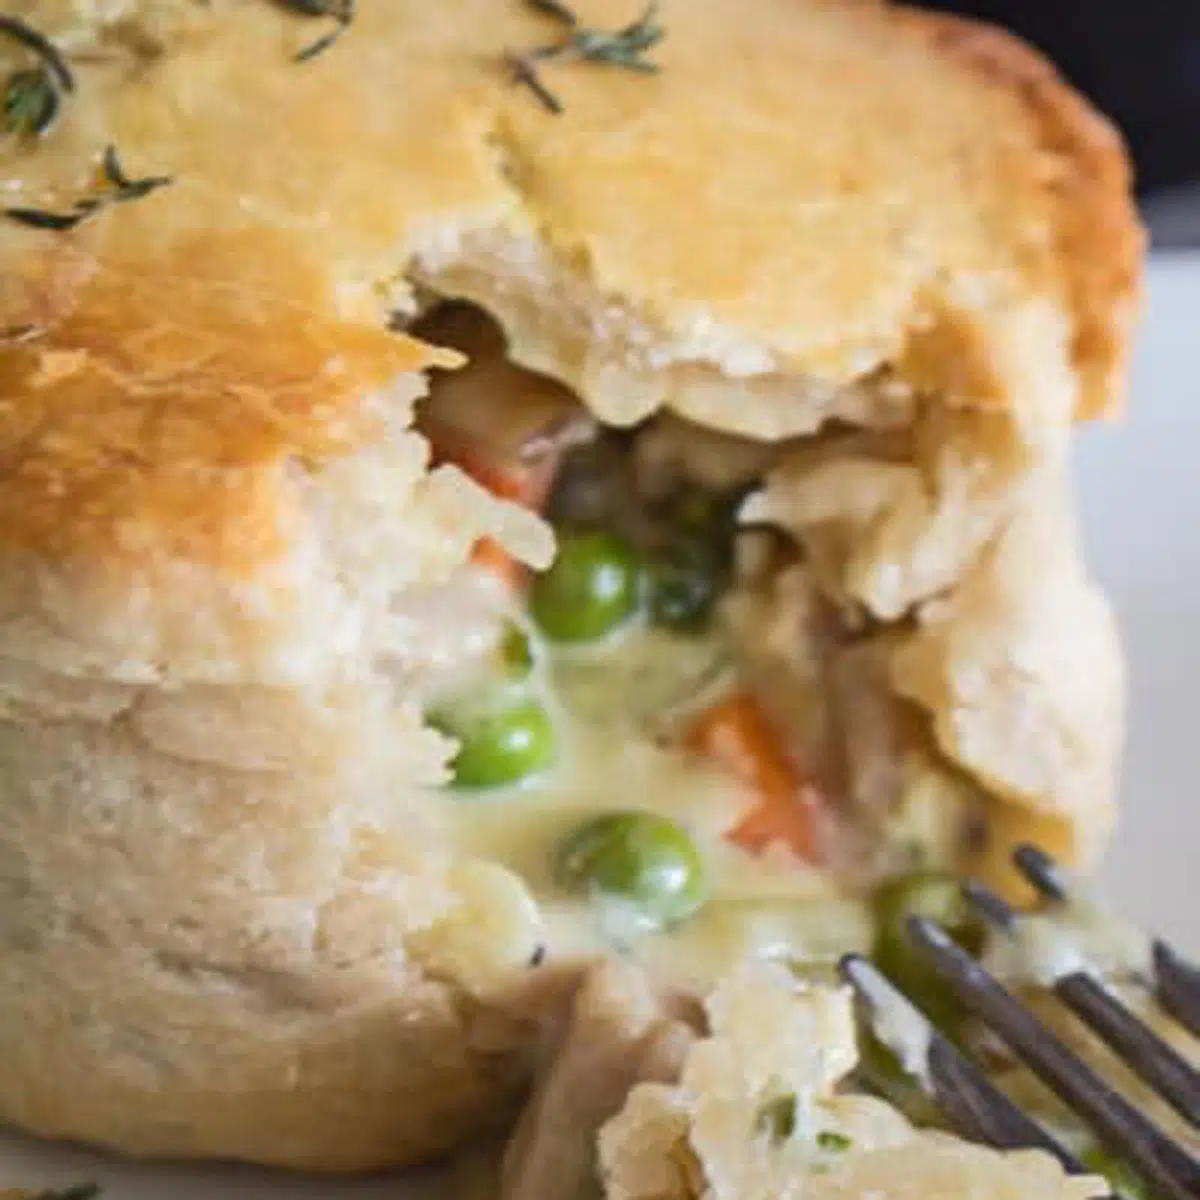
737	735
524	483
490	556
527	484
796	824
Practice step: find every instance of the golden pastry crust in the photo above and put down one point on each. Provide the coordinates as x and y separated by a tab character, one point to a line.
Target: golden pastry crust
229	925
1092	181
988	184
138	423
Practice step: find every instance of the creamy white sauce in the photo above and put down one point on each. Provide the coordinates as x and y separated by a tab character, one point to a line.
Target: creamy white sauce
617	707
1078	937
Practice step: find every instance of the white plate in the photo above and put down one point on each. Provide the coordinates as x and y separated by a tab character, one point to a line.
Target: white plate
1139	484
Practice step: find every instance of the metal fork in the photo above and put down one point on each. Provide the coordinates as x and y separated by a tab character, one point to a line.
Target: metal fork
980	1111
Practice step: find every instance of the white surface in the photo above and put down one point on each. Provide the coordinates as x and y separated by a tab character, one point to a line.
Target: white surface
1140	487
1140	498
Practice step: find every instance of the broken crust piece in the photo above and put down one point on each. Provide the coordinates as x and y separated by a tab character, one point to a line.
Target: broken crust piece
754	1116
233	924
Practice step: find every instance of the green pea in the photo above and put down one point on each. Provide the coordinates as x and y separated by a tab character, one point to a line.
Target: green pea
641	858
939	897
1121	1177
591	589
499	744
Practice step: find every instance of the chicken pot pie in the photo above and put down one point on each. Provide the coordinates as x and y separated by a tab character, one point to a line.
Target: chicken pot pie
469	508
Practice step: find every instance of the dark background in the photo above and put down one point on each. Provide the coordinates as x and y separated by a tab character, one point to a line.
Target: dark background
1139	60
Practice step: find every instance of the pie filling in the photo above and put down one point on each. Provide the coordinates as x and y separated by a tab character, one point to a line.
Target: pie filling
690	753
687	751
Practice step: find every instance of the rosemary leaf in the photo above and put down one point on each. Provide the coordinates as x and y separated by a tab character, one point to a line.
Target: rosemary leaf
110	164
120	190
310	8
20	31
645	31
31	101
524	73
341	11
552	8
320	45
129	189
37	218
625	48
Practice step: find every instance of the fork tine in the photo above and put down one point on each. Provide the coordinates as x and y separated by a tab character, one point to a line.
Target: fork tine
1155	1060
1177	984
993	908
983	1113
1149	1151
1041	871
978	1109
1147	1054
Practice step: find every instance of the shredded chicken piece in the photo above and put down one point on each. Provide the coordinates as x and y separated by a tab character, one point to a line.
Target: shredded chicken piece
619	1034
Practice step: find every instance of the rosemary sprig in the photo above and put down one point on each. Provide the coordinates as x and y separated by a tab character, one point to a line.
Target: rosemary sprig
525	74
33	95
342	12
126	188
119	189
624	48
31	101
